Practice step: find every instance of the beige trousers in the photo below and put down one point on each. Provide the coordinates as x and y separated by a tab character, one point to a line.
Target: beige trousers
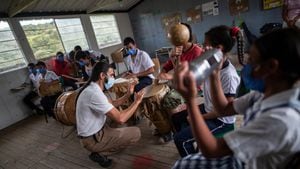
110	140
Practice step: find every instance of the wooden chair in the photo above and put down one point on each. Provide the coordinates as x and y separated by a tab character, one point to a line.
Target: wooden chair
117	58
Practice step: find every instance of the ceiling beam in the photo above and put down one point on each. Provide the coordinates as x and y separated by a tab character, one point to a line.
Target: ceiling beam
102	4
19	6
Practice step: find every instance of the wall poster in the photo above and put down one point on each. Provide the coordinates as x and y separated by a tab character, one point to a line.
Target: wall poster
194	14
269	4
238	6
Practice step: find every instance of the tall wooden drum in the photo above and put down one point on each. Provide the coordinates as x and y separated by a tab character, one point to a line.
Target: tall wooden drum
151	107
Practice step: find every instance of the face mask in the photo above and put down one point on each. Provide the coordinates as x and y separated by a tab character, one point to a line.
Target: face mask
110	82
60	58
43	70
37	70
132	52
34	71
81	63
250	82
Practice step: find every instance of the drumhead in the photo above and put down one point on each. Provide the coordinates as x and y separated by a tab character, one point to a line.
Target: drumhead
153	90
121	80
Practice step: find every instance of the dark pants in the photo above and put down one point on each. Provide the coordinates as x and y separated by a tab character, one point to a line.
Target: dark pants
28	100
70	82
143	82
48	103
184	139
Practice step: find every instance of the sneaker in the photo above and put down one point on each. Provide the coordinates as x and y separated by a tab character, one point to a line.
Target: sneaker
102	160
155	132
166	138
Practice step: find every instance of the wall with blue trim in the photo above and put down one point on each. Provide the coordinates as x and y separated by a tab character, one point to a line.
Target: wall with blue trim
149	34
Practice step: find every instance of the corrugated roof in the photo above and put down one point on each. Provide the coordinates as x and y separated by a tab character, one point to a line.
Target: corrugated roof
54	6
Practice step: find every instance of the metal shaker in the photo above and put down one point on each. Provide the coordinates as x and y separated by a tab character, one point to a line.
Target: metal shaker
203	66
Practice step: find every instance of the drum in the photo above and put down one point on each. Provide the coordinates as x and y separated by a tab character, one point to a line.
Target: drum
50	89
173	102
65	108
120	87
152	109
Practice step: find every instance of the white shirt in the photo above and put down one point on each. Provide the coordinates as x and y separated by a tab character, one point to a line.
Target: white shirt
91	108
34	79
141	63
230	81
272	137
49	76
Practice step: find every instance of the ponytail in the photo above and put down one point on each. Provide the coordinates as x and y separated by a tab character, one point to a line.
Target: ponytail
237	34
99	67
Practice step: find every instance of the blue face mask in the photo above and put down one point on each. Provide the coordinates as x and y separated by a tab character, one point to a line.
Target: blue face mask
32	70
132	52
110	82
250	82
60	58
43	70
81	63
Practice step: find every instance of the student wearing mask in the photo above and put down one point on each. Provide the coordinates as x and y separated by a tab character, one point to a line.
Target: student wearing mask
33	74
47	76
140	64
62	68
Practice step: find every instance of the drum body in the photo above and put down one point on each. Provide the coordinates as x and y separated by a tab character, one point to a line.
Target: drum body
152	109
49	89
65	108
120	87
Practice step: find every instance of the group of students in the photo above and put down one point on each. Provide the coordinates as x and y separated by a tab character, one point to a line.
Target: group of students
70	72
269	137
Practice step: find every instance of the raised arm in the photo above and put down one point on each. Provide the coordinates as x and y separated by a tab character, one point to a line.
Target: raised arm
123	116
185	84
222	105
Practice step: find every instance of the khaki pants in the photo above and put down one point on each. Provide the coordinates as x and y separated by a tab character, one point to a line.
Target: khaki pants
111	140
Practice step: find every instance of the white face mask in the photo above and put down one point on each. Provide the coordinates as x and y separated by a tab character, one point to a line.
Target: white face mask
110	82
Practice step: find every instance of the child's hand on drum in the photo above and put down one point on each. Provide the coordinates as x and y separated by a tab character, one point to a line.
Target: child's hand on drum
184	81
138	97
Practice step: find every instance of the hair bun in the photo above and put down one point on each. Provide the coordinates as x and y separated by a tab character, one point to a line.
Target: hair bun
234	31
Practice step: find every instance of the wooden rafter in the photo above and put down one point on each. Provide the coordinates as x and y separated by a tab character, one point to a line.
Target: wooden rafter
18	6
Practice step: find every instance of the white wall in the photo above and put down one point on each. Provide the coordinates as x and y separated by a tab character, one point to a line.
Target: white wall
12	109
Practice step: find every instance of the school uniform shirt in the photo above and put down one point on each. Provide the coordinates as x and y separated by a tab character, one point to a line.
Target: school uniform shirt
141	63
91	108
34	79
189	55
230	81
271	133
49	76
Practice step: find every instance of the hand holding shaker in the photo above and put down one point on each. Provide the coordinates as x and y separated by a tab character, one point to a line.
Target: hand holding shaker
204	65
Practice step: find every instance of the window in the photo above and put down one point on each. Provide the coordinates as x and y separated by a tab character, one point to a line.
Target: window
71	33
11	57
106	30
43	37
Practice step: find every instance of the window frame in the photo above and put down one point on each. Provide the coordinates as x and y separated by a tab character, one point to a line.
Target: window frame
20	49
117	27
